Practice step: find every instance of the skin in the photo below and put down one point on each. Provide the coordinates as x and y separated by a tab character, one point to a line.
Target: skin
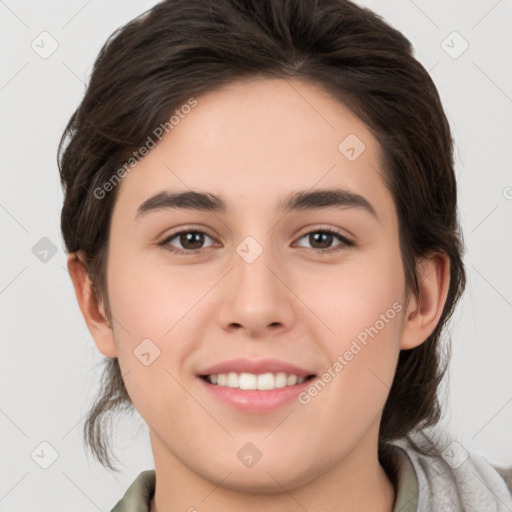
253	142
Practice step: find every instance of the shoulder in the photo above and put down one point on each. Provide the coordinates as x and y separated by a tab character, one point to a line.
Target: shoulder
506	474
451	477
138	496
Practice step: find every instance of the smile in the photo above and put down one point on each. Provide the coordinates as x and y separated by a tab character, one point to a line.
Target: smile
251	381
251	393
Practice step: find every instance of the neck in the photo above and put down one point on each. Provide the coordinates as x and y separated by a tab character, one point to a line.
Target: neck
357	483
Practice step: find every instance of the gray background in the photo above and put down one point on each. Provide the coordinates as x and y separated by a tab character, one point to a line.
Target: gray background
49	365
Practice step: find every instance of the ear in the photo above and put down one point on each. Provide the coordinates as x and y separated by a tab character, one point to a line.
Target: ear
93	313
422	316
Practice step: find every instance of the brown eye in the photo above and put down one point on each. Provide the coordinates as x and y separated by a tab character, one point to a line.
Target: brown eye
322	240
191	242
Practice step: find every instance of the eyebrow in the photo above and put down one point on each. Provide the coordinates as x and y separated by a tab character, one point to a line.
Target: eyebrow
296	201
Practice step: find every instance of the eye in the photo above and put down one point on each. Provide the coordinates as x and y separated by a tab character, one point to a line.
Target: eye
190	240
324	238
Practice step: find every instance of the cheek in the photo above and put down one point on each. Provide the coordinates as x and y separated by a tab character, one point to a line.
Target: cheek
362	307
158	318
152	300
356	295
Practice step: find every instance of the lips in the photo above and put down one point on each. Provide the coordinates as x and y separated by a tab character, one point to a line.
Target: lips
257	367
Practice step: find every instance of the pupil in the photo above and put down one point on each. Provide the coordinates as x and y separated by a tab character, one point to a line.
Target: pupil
326	236
187	240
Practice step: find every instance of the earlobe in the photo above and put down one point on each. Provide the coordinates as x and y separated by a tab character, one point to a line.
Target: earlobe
423	312
93	312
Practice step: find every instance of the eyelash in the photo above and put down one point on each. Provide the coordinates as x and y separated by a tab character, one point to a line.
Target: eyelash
336	248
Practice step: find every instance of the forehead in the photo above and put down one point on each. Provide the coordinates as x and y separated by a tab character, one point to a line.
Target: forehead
253	141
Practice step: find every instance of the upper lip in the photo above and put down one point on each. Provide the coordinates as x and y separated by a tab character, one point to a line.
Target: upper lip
267	365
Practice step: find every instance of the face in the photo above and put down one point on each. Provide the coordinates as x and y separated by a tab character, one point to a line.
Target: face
259	287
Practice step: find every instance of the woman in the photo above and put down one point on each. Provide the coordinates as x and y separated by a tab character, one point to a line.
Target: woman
261	220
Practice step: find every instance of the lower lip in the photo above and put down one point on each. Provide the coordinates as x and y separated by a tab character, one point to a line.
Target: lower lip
254	400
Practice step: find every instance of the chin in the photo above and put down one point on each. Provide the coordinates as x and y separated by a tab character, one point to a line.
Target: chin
270	477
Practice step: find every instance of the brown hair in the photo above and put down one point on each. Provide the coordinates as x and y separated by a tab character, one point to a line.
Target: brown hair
180	49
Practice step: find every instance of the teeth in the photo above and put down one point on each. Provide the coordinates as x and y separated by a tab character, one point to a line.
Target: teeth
263	381
292	380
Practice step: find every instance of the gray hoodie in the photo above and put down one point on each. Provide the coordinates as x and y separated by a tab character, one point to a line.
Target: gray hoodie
452	479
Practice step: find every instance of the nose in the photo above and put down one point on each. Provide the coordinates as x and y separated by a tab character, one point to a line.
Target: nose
257	297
